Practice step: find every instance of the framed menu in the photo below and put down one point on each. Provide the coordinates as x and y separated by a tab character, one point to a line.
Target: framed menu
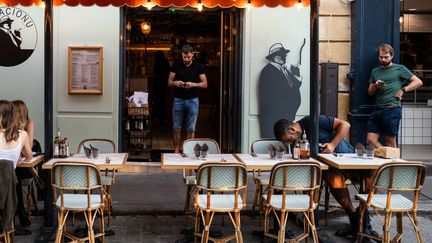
85	70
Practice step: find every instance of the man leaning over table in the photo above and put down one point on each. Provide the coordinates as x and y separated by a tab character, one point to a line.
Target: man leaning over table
332	133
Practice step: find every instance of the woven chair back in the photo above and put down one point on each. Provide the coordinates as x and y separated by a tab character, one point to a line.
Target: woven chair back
261	146
222	176
189	144
402	176
290	176
104	145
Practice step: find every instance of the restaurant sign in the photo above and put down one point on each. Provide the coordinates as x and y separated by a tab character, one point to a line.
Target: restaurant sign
18	36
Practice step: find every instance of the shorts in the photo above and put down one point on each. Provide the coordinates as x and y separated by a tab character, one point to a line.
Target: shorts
385	121
188	106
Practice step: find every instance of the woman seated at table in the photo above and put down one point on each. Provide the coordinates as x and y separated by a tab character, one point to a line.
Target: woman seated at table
332	133
25	124
14	143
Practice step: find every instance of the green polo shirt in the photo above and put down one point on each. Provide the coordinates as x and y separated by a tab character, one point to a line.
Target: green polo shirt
394	76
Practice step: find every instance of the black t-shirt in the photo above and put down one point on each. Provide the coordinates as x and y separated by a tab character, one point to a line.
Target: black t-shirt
187	74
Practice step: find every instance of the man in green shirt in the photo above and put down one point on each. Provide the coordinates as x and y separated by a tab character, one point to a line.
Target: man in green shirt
386	83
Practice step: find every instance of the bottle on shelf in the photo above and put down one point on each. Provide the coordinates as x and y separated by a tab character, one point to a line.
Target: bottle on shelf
56	147
66	144
296	150
304	147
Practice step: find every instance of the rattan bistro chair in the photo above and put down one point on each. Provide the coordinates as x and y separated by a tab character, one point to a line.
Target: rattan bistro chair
189	177
293	177
108	178
67	177
7	236
391	178
229	178
261	178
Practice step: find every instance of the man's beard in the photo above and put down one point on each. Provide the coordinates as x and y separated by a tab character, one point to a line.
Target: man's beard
385	64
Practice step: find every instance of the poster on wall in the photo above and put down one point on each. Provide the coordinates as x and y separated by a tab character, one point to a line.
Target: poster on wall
18	36
280	74
85	70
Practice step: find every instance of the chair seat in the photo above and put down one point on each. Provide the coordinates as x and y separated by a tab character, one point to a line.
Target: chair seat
190	180
219	202
264	178
398	202
79	201
292	202
107	180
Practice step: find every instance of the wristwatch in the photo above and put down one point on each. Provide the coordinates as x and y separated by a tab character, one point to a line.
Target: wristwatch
403	89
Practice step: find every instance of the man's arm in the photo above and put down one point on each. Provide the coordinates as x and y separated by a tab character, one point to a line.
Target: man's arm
414	83
341	128
174	83
202	83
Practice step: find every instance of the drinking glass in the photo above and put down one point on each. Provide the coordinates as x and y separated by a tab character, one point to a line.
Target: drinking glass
279	155
370	152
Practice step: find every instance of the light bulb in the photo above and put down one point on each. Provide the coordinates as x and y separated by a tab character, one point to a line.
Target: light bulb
249	5
299	5
199	6
149	5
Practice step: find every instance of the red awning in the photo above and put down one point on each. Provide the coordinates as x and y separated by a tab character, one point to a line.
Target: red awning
162	3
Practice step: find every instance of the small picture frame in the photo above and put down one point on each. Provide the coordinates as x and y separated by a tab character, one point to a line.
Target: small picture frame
85	70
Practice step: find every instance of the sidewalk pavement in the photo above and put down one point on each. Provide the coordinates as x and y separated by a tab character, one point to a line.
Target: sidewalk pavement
148	207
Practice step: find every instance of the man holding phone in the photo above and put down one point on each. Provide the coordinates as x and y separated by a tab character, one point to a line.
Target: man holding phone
386	82
186	76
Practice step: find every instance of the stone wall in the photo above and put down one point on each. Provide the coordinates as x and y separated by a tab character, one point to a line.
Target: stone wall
335	45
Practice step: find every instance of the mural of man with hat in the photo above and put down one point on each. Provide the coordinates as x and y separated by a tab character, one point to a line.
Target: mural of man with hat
278	90
10	40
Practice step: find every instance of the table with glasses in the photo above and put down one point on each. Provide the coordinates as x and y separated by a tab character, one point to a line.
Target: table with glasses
111	161
353	161
264	162
177	161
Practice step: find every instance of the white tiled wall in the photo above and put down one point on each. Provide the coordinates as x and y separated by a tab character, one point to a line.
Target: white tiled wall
416	126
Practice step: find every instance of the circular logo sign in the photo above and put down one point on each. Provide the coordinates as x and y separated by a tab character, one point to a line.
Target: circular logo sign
18	36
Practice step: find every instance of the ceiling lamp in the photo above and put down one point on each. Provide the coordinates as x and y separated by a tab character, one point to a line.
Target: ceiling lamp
199	6
149	5
249	5
145	27
299	5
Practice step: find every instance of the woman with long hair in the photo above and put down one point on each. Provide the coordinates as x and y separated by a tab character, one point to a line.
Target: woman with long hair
25	123
14	142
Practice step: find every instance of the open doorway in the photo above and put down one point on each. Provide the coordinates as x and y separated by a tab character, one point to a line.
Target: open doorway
153	40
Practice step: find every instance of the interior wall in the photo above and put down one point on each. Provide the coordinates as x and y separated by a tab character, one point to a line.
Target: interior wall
264	27
26	80
86	116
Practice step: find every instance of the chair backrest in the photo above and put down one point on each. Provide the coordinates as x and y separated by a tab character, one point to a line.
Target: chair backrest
75	175
260	146
289	176
189	144
400	176
104	145
222	176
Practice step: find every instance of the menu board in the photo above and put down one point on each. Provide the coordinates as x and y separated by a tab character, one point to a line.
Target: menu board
85	70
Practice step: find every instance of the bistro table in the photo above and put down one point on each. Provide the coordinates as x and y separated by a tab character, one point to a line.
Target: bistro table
264	162
354	162
117	160
33	162
177	161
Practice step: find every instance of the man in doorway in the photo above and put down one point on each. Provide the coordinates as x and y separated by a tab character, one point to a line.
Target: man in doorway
386	82
187	77
279	90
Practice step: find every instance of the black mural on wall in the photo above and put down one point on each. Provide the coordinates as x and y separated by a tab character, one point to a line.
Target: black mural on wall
18	36
278	89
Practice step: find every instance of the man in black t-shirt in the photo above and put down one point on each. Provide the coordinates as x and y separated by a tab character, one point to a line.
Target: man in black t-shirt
186	77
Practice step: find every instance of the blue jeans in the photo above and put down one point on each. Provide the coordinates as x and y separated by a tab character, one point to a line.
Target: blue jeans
385	121
188	106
